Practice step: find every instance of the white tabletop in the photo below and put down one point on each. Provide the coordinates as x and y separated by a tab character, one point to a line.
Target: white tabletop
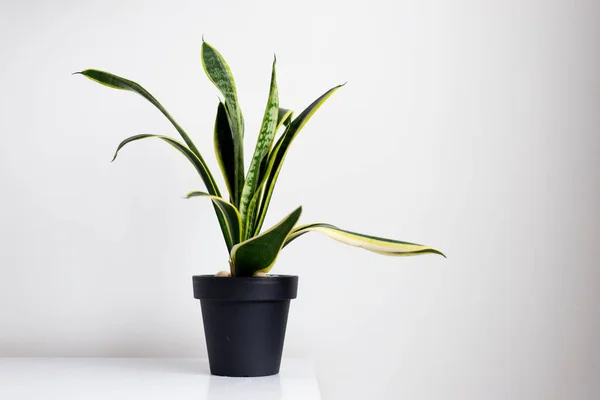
147	379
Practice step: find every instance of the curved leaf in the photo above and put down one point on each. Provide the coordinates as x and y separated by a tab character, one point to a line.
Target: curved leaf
202	171
117	82
232	216
259	253
198	163
225	150
263	146
279	152
388	247
220	75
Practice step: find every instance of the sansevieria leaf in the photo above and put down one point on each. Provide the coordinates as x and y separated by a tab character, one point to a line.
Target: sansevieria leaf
283	119
375	244
219	73
279	152
199	164
116	82
225	149
230	240
263	146
232	216
259	253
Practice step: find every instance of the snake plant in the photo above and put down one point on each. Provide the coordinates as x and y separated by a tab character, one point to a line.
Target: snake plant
252	251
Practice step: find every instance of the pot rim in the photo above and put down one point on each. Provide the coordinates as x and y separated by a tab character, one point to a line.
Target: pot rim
267	288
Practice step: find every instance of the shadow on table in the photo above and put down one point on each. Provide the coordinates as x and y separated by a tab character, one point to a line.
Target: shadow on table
188	366
224	388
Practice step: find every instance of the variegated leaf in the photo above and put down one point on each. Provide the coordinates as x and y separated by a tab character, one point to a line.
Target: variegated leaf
279	152
232	216
259	253
204	174
263	146
117	82
388	247
219	73
283	119
225	150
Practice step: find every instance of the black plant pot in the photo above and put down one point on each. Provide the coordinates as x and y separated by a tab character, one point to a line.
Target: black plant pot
245	321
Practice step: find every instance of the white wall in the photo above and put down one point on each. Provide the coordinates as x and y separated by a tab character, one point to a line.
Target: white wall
469	125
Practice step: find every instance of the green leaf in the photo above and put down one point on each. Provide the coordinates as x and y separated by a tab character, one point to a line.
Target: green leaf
219	73
388	247
232	216
116	82
198	163
284	118
259	253
225	150
279	152
202	171
263	146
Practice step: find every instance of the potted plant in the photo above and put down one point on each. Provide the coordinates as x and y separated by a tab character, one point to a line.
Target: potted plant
245	309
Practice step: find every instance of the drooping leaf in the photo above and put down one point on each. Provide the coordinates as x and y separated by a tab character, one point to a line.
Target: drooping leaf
388	247
279	152
225	150
202	171
259	253
117	82
219	73
263	146
232	216
199	164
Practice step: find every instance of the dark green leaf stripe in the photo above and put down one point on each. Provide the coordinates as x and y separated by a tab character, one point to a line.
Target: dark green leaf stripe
225	150
202	171
280	150
284	118
219	73
260	253
232	216
263	146
375	244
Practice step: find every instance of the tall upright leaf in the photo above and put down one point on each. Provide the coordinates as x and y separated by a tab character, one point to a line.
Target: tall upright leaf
279	152
284	119
225	149
388	247
259	253
219	73
263	146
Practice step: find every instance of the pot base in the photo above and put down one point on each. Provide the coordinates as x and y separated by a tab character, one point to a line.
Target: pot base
244	338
